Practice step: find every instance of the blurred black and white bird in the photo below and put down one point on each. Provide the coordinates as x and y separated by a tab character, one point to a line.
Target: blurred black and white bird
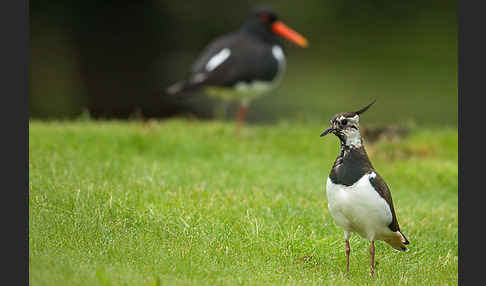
359	200
243	64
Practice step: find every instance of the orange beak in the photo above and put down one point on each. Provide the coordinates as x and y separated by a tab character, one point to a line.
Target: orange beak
281	29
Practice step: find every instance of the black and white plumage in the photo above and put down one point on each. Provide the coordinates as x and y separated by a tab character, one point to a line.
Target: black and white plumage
243	64
359	200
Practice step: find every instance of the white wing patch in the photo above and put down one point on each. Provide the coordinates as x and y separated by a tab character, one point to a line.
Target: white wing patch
218	59
278	54
198	77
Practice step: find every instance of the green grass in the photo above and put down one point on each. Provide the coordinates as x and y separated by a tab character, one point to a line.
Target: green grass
187	203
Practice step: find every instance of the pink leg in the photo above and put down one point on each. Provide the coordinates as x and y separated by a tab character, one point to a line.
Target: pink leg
348	250
372	251
241	116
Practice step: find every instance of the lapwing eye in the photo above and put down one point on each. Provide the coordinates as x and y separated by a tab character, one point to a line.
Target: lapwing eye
344	122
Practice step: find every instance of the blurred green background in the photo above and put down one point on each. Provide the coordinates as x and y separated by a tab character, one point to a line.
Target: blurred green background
109	58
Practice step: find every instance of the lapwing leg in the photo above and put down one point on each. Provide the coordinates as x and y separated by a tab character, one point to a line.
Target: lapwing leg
348	250
372	252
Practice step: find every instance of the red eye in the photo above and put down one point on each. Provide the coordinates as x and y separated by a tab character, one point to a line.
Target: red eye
264	17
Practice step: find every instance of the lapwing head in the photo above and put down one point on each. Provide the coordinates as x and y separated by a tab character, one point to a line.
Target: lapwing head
345	126
264	22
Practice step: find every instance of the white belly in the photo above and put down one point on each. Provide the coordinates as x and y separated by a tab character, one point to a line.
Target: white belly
359	208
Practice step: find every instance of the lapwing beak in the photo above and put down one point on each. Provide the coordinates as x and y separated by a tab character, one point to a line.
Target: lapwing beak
327	131
282	30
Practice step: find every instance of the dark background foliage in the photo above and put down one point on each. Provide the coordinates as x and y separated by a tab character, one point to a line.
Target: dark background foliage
110	58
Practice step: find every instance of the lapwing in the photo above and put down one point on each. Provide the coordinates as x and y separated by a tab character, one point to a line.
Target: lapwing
359	200
243	64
